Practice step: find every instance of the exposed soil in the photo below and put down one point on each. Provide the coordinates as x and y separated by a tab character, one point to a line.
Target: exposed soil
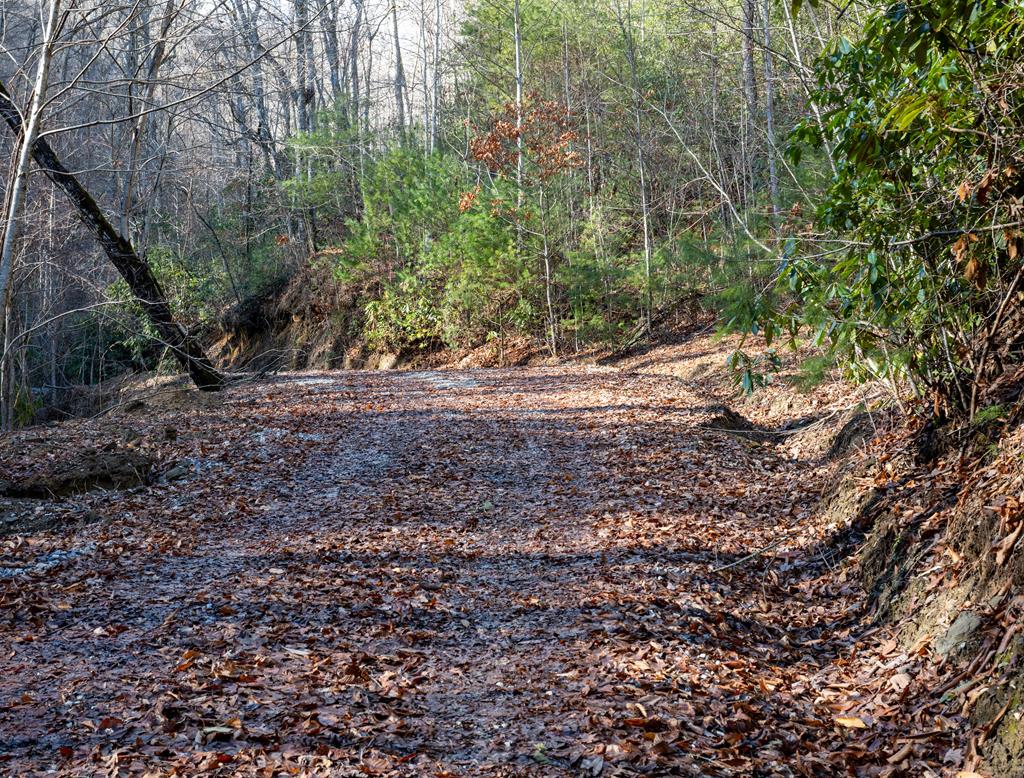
71	472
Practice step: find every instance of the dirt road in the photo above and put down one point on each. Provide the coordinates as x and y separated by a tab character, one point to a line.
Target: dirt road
463	573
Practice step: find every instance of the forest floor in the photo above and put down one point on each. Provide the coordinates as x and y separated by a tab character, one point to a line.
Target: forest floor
533	571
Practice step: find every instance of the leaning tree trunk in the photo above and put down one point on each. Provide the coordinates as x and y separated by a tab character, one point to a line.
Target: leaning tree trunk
133	268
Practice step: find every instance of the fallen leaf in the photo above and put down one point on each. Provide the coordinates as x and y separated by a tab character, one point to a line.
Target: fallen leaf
851	722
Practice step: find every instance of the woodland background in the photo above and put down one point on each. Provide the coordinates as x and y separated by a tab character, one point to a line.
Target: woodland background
427	175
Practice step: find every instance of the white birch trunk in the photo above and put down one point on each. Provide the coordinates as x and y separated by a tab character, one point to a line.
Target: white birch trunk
16	203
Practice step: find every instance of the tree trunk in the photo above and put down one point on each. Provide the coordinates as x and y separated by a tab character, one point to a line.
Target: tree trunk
548	276
803	72
368	83
141	123
435	114
520	159
301	97
25	134
332	49
425	84
749	89
249	20
353	65
135	271
399	73
645	210
769	109
310	80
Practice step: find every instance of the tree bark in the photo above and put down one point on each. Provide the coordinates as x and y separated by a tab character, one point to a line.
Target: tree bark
25	134
332	49
517	40
353	66
18	191
425	81
645	210
368	82
399	73
248	21
301	96
133	268
749	90
436	114
769	109
141	123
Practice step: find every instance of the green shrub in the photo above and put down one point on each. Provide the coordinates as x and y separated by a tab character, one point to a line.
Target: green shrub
912	282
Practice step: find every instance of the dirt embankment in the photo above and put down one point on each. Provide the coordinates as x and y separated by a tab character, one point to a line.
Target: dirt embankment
312	321
939	511
944	563
307	321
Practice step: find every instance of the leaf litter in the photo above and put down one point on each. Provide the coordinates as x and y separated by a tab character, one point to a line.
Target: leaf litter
544	571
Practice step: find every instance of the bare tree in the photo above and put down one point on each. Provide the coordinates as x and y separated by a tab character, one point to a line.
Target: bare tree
626	25
129	264
27	133
749	89
399	72
769	110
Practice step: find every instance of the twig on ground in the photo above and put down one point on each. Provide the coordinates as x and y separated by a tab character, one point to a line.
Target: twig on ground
753	555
